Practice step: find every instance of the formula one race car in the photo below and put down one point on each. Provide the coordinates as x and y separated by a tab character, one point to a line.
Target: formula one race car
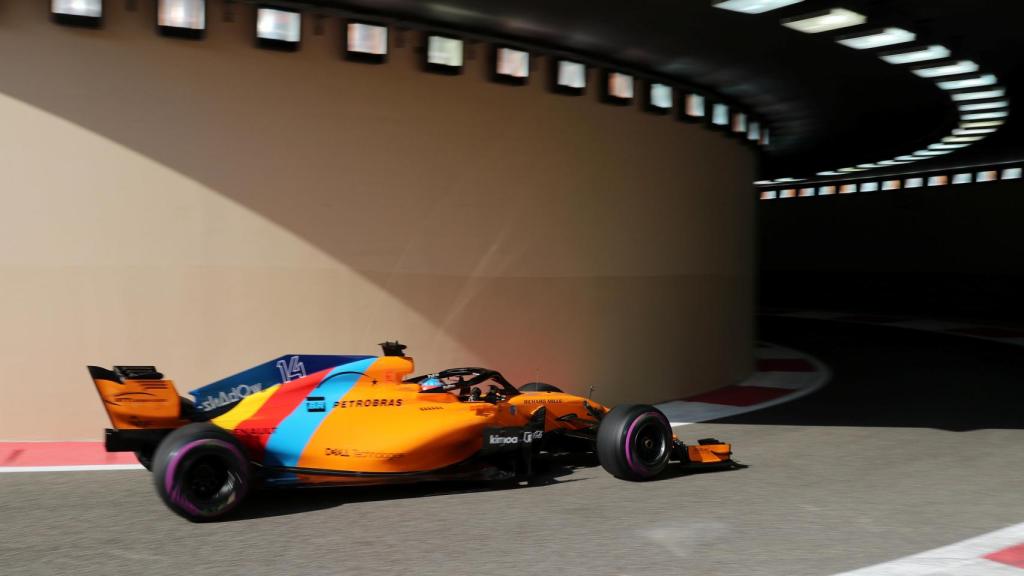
357	420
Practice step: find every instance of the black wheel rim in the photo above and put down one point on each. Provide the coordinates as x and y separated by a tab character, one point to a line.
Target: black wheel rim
208	480
649	444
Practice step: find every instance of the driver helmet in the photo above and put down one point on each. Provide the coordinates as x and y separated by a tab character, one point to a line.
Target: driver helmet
431	382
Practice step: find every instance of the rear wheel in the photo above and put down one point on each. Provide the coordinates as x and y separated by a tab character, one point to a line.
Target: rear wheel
634	442
201	472
538	387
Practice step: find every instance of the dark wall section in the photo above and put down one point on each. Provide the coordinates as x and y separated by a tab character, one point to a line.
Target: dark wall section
951	251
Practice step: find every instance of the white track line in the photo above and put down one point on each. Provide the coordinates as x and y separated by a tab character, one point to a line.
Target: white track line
960	559
83	468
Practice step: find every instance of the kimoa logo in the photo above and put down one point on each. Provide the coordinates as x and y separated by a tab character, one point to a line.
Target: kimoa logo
230	396
528	437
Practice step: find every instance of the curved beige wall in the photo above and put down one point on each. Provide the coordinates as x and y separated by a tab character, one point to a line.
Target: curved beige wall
205	206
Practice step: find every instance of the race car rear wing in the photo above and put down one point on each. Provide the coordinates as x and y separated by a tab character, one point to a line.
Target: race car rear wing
137	397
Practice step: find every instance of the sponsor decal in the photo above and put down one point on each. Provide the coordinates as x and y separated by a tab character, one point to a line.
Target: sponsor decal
134	398
316	404
551	401
291	369
510	437
369	403
256	431
431	407
357	453
230	396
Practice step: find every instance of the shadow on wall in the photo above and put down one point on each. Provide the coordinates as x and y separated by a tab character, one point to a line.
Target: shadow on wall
518	223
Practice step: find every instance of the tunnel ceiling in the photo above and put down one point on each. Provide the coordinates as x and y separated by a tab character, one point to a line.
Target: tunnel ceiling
828	105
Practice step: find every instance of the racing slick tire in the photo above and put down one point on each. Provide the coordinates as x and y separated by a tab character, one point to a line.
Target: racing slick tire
201	472
538	387
634	442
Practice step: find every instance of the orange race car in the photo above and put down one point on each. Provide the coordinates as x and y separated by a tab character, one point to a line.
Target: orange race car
320	420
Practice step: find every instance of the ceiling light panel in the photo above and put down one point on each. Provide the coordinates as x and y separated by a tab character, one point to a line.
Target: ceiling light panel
754	6
960	67
80	8
833	19
980	95
963	138
974	82
182	14
986	115
933	52
984	124
984	106
886	37
973	132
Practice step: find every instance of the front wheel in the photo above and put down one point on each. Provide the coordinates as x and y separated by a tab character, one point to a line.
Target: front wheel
634	442
201	472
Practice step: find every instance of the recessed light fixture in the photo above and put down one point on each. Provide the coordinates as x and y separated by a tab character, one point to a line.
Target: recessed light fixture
892	162
79	8
868	166
719	114
659	96
739	123
972	132
620	86
912	55
963	138
754	133
980	95
983	124
830	173
985	115
833	19
571	75
788	179
928	153
444	52
181	15
695	107
945	146
960	67
368	39
984	106
907	158
278	27
512	63
974	82
763	182
766	136
753	6
877	39
851	169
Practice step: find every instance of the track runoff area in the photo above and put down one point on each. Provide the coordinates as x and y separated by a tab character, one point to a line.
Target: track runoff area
839	481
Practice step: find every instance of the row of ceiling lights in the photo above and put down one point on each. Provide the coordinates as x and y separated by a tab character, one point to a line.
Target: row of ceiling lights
981	102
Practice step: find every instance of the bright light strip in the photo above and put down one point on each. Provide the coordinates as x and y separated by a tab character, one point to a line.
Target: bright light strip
933	52
367	39
986	124
976	82
661	96
719	114
986	115
754	6
739	122
886	37
830	173
961	67
83	8
972	132
185	14
868	166
444	51
907	158
572	74
695	106
945	146
784	180
851	169
835	19
763	182
982	95
963	138
984	106
891	162
513	63
929	153
754	133
279	25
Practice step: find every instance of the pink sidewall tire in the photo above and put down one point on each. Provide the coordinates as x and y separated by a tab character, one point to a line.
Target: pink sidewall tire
634	442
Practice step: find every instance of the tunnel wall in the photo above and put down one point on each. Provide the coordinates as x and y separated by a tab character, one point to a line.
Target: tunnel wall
951	251
207	205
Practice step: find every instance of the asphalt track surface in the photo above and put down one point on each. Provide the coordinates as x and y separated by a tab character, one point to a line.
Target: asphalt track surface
915	444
